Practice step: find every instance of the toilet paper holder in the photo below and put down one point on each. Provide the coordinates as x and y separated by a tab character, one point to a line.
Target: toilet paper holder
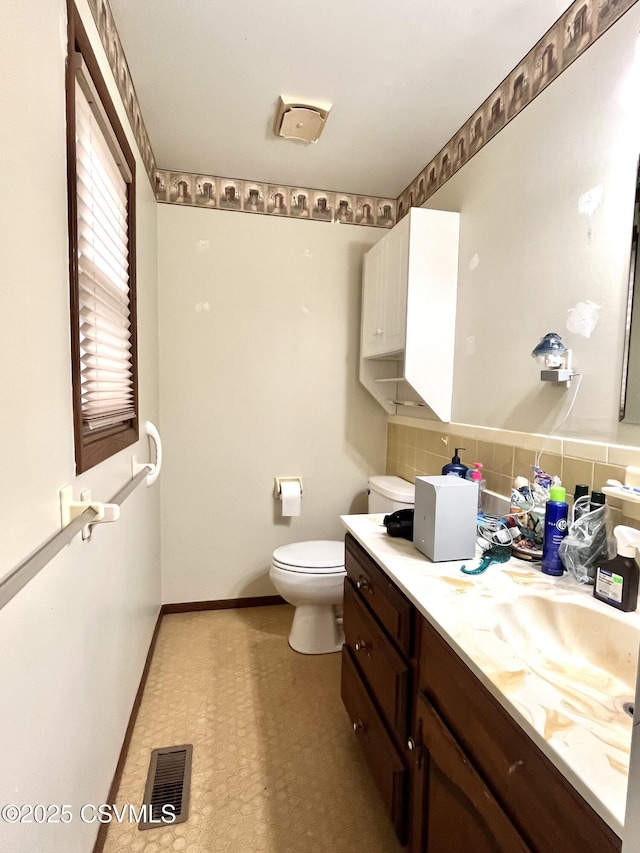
280	480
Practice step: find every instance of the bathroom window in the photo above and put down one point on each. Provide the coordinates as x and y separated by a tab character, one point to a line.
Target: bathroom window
101	175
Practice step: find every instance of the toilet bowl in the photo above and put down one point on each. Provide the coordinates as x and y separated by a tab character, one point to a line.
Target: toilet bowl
310	575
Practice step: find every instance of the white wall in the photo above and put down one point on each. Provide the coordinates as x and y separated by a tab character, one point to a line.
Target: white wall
527	256
73	642
259	335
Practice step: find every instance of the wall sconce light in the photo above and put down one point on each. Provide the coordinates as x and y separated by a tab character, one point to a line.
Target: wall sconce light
555	359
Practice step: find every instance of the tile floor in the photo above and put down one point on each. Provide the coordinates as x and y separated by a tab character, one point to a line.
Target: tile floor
276	767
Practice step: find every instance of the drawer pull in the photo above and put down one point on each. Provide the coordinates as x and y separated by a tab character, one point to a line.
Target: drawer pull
416	746
363	584
515	766
361	646
359	726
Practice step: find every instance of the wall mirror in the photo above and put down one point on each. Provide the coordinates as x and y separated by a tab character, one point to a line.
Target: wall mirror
630	390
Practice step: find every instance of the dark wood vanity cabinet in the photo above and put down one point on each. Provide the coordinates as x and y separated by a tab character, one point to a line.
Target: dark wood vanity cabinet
455	771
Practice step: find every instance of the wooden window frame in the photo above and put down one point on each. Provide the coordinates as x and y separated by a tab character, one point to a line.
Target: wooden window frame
92	449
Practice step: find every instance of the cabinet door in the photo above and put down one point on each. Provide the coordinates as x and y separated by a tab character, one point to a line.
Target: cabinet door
384	294
384	760
395	262
372	304
459	813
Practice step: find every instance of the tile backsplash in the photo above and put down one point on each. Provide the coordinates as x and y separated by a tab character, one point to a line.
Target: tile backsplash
423	449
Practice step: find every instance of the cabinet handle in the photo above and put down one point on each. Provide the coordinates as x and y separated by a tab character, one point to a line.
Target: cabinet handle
360	645
359	726
411	744
378	332
363	584
515	766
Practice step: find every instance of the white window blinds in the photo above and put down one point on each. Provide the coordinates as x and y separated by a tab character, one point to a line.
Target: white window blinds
106	373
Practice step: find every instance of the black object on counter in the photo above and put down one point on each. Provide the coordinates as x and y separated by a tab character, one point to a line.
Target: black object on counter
400	523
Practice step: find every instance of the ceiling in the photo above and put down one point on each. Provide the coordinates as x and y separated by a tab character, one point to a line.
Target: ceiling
403	77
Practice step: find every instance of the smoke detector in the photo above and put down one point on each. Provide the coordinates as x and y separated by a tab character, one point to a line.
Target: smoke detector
298	120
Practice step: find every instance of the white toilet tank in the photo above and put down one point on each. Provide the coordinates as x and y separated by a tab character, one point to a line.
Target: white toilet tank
387	494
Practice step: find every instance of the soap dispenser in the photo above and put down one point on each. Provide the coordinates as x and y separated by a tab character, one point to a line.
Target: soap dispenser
455	466
616	581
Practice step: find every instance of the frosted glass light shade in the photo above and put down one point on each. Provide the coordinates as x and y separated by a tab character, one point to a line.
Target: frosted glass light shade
550	350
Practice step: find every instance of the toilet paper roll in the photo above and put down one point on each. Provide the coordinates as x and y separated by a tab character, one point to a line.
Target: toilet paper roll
291	498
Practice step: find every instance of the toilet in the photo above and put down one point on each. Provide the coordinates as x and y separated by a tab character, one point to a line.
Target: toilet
388	494
310	575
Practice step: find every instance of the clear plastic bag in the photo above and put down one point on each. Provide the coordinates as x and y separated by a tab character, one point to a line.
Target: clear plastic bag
589	540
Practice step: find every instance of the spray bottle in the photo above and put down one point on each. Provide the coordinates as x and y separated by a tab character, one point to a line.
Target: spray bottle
616	581
580	509
555	529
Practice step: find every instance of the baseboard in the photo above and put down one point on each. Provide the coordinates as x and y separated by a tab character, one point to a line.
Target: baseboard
117	776
222	604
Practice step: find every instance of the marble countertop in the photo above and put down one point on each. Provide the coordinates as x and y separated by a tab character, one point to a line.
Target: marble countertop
508	625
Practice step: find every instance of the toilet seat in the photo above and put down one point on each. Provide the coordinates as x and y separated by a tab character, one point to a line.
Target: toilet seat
315	557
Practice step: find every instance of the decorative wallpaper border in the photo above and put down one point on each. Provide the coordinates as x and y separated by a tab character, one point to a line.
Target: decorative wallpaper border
273	199
112	45
575	31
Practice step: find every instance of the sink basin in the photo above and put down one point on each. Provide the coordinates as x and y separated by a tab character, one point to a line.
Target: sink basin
567	641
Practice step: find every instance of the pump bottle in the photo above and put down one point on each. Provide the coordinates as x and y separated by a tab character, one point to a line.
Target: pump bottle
616	581
475	475
455	466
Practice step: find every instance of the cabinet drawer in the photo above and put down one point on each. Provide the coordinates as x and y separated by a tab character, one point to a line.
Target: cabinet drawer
385	763
522	778
390	606
384	671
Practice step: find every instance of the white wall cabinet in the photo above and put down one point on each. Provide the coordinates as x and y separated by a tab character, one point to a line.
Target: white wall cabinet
409	313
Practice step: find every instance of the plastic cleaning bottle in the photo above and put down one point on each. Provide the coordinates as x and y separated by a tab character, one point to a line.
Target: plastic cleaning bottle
475	475
555	529
455	466
616	581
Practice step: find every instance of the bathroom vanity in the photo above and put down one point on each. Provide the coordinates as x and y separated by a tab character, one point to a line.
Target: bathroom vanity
476	737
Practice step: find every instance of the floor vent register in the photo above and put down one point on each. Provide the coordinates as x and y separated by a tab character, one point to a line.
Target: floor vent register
166	794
